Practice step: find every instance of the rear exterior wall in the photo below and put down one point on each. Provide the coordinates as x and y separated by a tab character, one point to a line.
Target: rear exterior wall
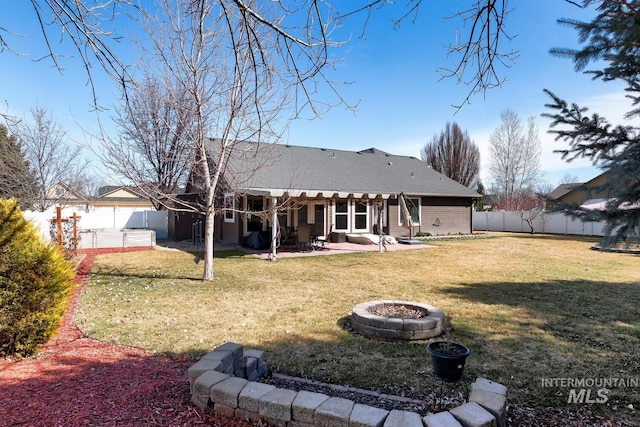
438	216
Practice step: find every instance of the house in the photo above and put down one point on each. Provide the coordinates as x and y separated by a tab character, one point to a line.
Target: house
336	192
121	207
116	197
579	193
61	194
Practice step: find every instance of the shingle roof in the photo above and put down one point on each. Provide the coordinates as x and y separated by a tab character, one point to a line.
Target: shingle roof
562	189
320	170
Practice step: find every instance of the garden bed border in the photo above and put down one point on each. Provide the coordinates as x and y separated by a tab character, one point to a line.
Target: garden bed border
223	382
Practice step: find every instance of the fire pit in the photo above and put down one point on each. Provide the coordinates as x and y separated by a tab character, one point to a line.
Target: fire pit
397	320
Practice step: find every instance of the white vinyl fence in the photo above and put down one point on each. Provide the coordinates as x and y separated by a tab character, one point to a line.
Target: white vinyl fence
551	223
106	227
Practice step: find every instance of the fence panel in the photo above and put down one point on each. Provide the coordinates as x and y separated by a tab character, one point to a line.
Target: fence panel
116	239
110	220
553	223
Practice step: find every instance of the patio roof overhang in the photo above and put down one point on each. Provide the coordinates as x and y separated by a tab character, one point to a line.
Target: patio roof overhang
320	194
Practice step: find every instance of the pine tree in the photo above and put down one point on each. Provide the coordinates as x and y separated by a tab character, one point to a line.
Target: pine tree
16	178
480	202
610	39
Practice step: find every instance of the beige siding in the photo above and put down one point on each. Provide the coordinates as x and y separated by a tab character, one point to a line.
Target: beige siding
446	219
452	214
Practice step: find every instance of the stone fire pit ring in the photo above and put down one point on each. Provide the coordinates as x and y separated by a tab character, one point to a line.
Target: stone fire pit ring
371	325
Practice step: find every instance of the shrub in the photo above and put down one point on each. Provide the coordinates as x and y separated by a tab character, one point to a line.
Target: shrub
423	234
34	284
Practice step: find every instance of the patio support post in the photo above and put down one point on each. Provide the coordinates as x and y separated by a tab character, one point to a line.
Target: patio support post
380	236
274	228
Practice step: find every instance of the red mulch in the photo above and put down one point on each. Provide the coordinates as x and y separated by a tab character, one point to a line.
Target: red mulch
78	381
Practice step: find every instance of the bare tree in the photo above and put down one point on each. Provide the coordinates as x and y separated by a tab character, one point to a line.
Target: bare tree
231	73
515	157
481	59
88	27
88	184
528	205
51	158
569	179
453	154
479	52
154	148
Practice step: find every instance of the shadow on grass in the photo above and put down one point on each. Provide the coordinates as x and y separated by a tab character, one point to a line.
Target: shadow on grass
115	272
583	301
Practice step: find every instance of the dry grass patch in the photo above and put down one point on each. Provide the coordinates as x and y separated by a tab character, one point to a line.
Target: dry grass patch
528	307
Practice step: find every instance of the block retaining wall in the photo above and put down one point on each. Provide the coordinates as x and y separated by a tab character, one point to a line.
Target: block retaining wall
224	382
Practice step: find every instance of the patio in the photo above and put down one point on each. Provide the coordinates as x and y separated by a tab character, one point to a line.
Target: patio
329	248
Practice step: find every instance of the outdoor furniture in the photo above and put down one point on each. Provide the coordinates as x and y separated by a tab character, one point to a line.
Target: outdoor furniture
304	238
337	237
318	240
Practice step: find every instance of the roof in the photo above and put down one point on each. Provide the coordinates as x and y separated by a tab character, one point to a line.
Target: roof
111	194
563	189
319	172
119	192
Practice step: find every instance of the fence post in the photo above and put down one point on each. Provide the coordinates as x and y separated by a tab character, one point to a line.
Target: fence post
59	225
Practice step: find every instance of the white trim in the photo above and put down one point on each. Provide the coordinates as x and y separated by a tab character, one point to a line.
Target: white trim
232	218
419	199
335	214
351	214
247	215
354	214
374	207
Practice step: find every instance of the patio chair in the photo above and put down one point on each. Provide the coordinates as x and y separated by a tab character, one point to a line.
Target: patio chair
304	238
318	240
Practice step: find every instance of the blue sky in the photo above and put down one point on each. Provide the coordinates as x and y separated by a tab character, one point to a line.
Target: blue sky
401	100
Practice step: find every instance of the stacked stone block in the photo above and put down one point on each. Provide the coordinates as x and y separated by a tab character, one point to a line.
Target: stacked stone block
224	382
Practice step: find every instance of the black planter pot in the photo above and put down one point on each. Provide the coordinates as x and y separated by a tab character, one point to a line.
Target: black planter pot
448	365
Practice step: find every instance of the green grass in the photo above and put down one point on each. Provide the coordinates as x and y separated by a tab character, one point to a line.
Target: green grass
528	307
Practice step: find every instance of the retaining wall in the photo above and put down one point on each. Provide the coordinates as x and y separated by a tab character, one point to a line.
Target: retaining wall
224	382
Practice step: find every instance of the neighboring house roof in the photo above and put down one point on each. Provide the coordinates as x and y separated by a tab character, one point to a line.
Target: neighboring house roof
62	190
121	194
275	169
580	193
563	189
63	193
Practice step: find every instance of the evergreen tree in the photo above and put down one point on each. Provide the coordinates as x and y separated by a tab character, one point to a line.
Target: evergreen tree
480	202
16	178
610	40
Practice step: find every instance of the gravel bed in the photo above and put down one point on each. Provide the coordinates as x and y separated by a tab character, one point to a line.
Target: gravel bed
398	311
446	397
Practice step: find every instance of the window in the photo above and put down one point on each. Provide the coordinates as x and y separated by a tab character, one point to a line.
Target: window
254	222
303	215
360	216
230	206
341	215
413	205
380	209
351	215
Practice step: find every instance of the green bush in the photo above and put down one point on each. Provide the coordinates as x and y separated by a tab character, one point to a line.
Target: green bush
34	284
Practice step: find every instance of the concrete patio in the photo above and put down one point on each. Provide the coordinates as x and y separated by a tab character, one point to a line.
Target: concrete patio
293	251
332	249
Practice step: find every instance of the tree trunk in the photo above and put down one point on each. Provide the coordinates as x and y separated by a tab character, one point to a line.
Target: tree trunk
208	246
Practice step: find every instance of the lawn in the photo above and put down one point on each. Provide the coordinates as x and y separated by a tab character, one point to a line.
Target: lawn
530	307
